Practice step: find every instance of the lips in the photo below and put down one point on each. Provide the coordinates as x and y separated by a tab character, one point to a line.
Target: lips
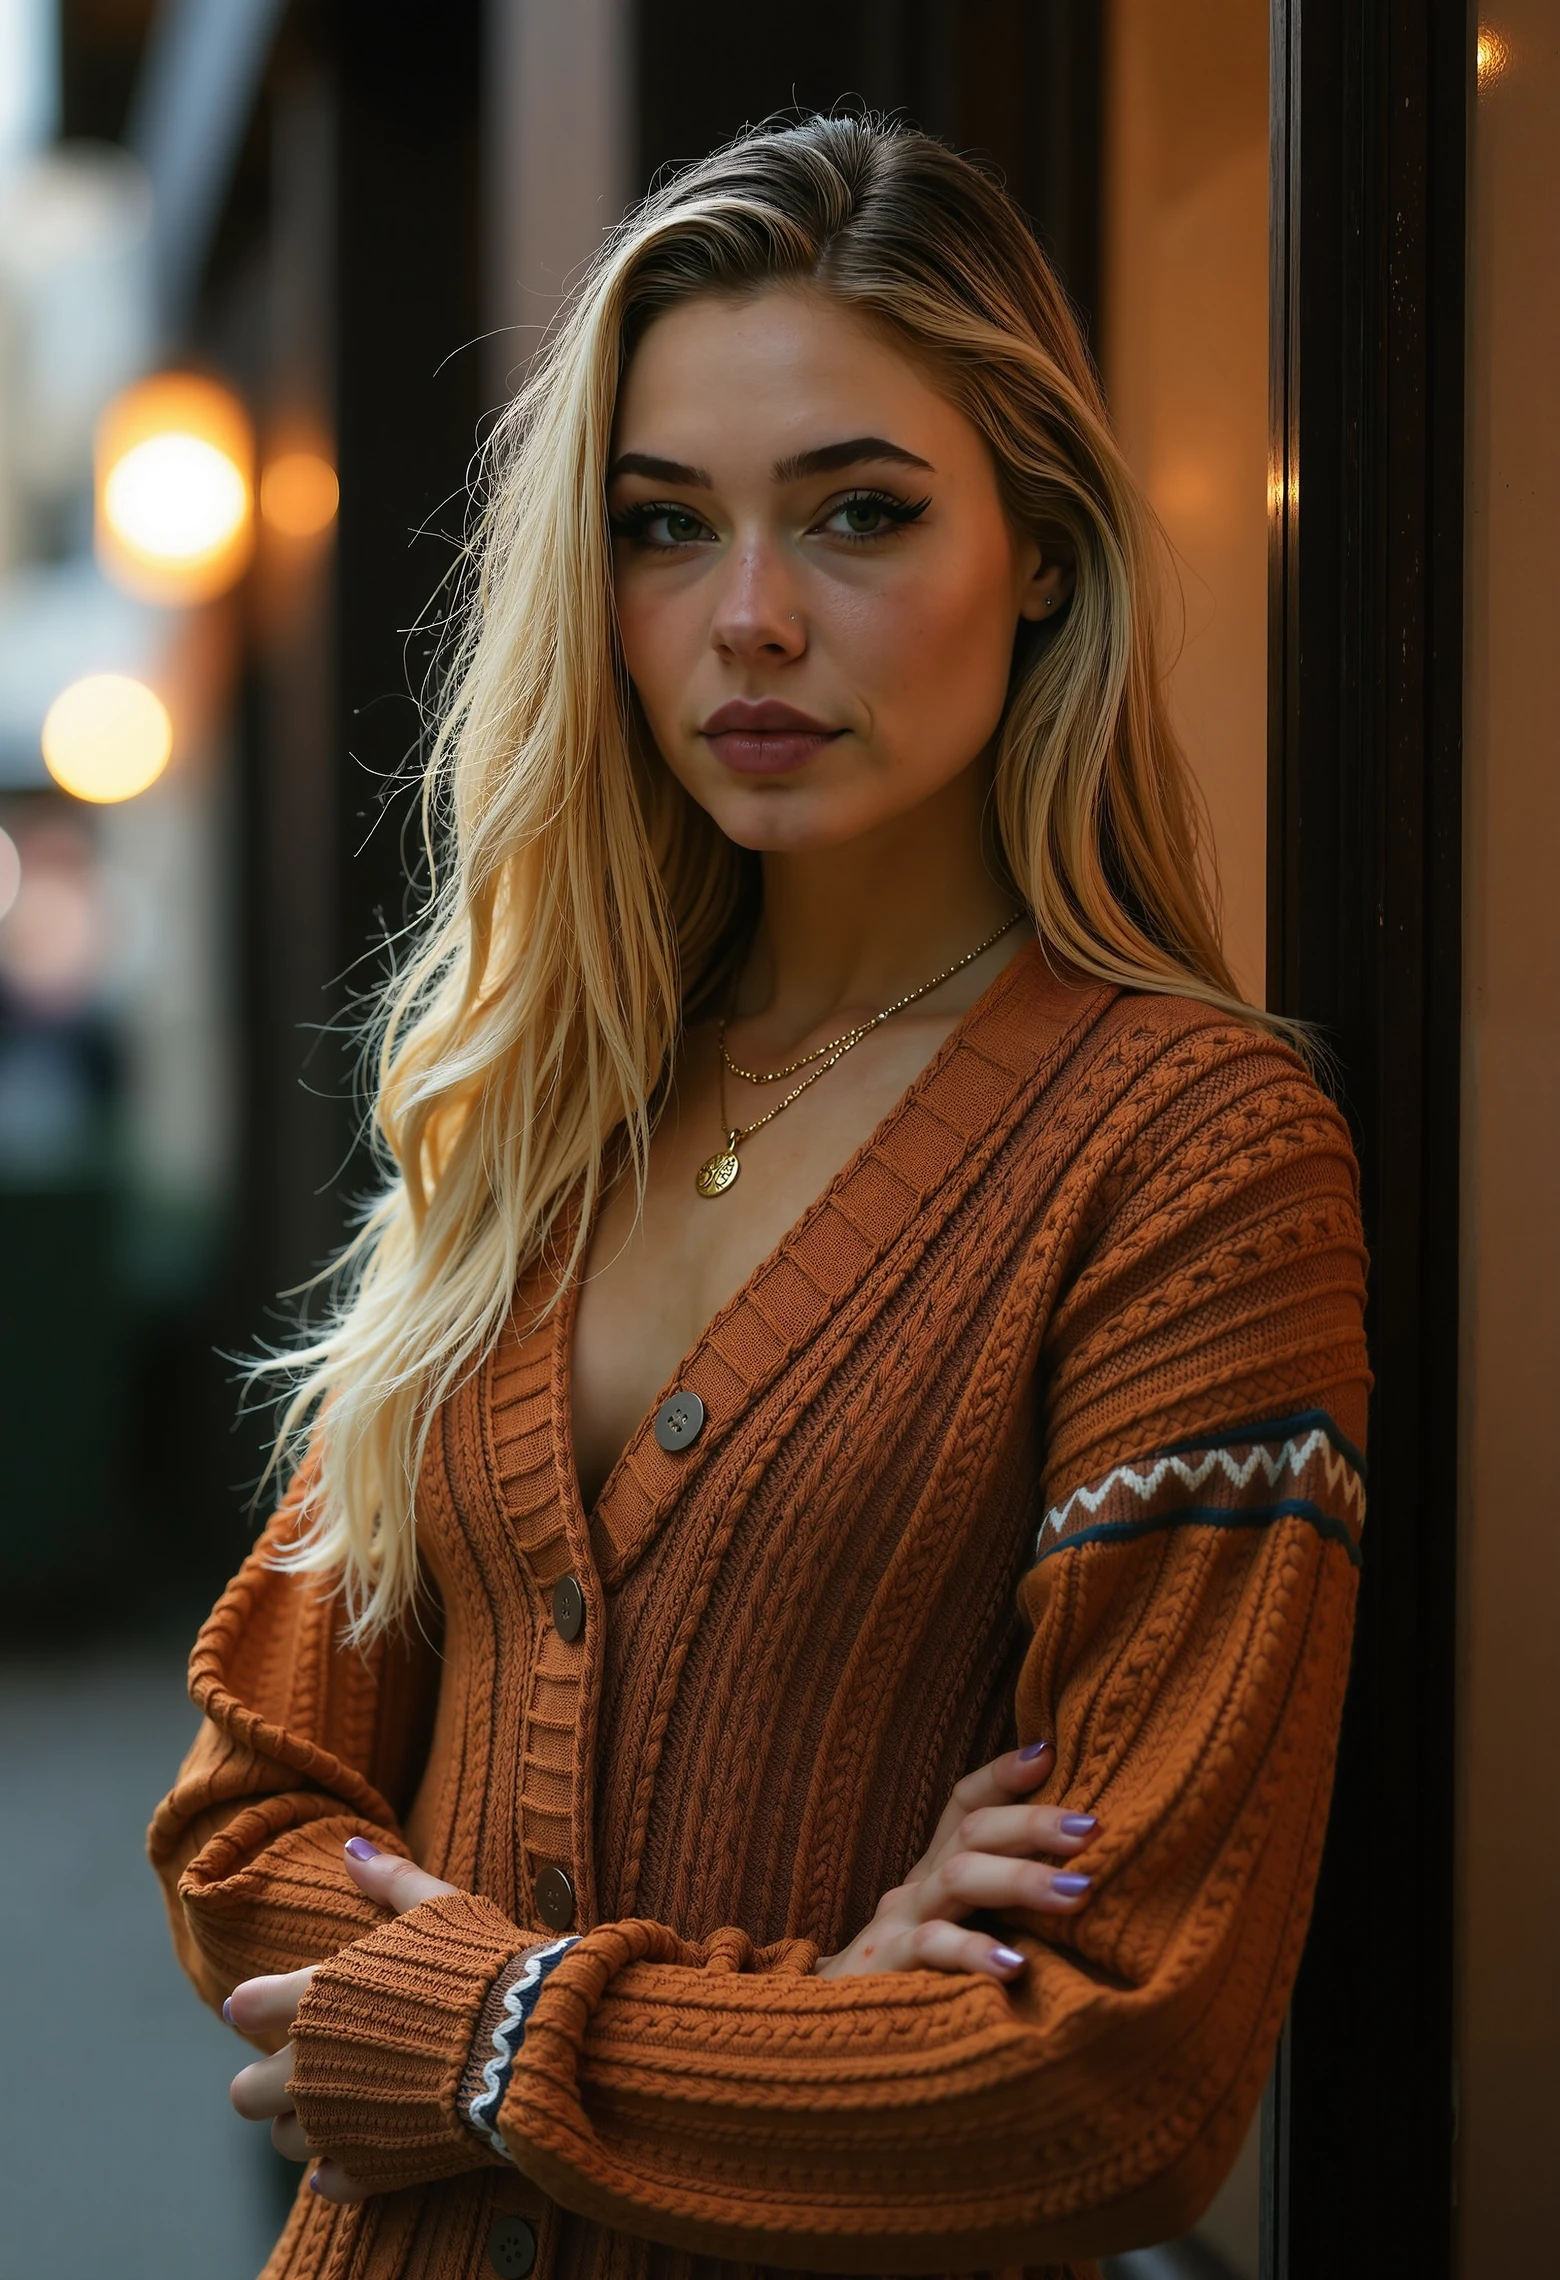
764	737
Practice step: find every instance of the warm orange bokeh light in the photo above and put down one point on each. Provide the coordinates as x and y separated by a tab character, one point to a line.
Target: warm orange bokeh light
299	493
106	737
175	519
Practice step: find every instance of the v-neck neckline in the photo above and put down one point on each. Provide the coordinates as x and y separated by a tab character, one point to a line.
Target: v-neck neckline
972	1032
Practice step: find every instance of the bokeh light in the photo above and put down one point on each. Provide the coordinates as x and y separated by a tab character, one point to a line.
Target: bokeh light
10	872
174	506
175	498
107	737
299	494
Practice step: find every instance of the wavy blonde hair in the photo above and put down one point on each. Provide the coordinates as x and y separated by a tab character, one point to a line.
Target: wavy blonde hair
584	904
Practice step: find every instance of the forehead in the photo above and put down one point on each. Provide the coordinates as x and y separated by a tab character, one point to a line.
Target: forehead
759	377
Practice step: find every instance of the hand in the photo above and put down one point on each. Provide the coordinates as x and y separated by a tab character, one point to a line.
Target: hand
985	1853
268	2007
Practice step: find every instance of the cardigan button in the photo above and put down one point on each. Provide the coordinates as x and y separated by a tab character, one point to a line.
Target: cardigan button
511	2248
568	1607
679	1420
555	1899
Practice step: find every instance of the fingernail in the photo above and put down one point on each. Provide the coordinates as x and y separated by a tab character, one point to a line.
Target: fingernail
227	2010
1078	1824
1030	1751
360	1849
1069	1886
314	2182
1007	1959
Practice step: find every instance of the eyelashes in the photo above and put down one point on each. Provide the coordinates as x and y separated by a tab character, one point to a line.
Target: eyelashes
896	512
637	523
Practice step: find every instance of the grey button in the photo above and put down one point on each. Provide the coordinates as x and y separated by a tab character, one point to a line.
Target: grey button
512	2247
555	1898
568	1608
679	1420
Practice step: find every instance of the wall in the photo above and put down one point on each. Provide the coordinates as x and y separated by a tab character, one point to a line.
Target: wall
1509	1586
559	164
1185	350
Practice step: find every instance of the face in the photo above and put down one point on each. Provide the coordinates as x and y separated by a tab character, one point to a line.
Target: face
817	586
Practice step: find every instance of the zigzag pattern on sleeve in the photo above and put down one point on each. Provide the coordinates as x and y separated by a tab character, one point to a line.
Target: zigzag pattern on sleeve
1290	1467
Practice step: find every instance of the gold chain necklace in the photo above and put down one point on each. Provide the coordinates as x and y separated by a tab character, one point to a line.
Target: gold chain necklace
718	1172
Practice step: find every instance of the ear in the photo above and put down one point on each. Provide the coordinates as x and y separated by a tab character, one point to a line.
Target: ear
1046	588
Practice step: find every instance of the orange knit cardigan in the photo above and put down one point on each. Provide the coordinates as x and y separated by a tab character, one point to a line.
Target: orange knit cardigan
1042	1421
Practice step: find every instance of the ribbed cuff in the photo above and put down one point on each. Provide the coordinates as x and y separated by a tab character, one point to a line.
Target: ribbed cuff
383	2034
500	2032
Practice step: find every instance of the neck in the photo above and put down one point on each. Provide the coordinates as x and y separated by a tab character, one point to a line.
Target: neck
848	929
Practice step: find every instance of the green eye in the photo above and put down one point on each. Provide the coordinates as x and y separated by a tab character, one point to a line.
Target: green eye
872	514
652	523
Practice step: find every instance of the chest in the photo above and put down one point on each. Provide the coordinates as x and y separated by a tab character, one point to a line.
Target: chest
657	1274
753	1622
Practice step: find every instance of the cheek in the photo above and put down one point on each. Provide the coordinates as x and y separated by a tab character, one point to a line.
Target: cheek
934	657
657	627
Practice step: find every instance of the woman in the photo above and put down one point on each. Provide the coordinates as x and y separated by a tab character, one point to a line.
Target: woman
857	1298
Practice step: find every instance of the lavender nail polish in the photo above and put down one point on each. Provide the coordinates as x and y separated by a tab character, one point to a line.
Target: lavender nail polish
361	1849
1007	1959
1078	1824
1030	1751
314	2181
1069	1886
227	2010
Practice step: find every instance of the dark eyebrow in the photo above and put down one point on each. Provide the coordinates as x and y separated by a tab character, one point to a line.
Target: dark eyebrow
859	451
828	459
659	470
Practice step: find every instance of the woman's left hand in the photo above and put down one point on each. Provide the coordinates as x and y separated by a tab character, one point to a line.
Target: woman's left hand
269	2006
992	1849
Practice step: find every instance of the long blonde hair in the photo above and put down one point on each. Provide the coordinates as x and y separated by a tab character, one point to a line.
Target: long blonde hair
584	904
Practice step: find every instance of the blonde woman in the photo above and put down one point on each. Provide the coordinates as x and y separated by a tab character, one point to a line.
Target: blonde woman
787	1713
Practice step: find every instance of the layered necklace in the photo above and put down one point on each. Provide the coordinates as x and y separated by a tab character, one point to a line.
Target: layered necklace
718	1172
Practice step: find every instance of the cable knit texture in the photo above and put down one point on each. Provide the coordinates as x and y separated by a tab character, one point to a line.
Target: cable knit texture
1044	1420
380	2040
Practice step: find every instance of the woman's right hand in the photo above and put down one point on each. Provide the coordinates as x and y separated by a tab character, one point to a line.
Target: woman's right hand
991	1850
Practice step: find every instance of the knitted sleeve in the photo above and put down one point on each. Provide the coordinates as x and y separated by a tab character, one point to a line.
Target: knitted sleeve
303	1743
1190	1604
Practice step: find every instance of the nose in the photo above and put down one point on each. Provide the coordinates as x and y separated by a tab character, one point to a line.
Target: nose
757	612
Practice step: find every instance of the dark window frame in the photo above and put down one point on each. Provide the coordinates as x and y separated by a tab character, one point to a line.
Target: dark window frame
1369	152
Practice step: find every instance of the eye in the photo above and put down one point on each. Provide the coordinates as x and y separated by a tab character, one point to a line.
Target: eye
651	522
871	514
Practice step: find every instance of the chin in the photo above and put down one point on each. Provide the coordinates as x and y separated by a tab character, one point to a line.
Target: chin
786	819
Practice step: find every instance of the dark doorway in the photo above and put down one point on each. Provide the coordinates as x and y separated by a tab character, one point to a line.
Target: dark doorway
1369	114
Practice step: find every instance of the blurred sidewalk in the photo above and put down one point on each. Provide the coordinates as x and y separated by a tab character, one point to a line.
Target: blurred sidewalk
119	2152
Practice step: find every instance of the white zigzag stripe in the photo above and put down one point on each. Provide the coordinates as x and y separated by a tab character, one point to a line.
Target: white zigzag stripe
1291	1459
484	2107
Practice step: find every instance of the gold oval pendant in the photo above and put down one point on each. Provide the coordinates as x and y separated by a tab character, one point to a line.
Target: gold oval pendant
717	1172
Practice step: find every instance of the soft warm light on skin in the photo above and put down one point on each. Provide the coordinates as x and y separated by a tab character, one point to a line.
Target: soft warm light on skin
174	506
299	494
902	642
107	737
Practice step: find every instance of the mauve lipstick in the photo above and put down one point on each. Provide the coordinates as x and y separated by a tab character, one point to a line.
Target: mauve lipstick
762	737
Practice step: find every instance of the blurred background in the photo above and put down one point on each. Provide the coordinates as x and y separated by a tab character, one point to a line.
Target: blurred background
266	269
